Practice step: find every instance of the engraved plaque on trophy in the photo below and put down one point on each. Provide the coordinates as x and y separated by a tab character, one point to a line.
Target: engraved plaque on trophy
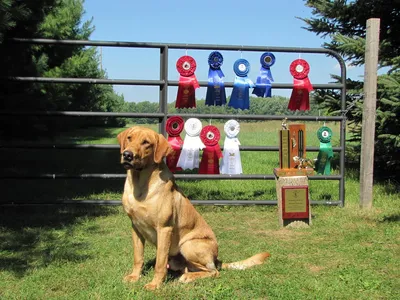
284	149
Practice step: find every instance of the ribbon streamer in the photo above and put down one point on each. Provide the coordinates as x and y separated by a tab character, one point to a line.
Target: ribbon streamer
300	97
186	66
231	162
174	127
215	87
263	83
240	93
209	164
325	154
189	158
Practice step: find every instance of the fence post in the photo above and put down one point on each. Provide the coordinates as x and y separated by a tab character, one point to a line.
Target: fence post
369	113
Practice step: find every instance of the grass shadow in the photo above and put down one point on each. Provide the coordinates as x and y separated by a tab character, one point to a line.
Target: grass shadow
35	237
18	163
390	218
149	266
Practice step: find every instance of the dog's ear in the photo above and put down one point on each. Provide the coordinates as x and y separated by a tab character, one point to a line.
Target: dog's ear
162	149
122	140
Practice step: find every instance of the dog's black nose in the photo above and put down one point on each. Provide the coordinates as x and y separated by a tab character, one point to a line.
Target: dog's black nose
128	155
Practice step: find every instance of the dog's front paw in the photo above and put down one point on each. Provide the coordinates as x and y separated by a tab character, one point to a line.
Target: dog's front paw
131	278
152	286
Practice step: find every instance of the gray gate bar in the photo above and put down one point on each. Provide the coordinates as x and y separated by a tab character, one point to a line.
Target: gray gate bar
111	147
81	114
149	82
161	115
330	86
175	46
258	117
177	176
194	202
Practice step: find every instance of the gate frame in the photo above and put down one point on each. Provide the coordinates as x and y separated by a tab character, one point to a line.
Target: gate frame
162	116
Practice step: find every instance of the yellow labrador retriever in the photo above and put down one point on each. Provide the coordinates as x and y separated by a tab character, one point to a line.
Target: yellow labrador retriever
163	216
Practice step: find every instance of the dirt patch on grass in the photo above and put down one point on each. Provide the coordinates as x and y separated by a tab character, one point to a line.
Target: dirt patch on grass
315	269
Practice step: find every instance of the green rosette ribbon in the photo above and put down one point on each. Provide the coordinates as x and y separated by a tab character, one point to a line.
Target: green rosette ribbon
325	154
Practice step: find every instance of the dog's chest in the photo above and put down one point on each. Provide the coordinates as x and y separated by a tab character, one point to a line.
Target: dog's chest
142	215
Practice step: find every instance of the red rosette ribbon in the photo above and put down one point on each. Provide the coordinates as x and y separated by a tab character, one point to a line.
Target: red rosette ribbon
174	127
300	98
209	164
186	66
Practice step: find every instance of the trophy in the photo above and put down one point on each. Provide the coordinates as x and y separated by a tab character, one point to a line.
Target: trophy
291	177
292	151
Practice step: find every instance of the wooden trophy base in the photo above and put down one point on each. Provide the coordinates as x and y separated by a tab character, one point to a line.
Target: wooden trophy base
283	172
293	201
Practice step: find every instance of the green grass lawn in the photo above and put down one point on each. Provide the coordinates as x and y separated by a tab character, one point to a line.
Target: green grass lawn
65	253
58	252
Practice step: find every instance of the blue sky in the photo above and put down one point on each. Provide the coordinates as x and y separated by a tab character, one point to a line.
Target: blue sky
250	23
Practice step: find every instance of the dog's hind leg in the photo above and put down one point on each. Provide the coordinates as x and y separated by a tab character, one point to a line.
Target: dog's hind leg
199	271
200	255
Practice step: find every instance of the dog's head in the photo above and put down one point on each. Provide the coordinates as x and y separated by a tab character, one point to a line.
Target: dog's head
141	147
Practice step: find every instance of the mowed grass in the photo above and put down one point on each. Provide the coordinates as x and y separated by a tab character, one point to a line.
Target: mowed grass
58	252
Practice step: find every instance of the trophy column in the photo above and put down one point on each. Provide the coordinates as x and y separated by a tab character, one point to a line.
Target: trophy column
292	176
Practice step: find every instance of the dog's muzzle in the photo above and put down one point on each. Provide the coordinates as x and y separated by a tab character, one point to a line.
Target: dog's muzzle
127	156
129	161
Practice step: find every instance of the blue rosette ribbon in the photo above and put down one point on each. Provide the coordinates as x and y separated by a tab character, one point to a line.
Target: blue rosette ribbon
264	79
215	87
240	93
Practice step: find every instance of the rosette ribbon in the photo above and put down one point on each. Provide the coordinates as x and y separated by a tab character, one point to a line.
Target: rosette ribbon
264	79
174	127
186	66
240	93
325	153
300	98
231	162
212	152
189	158
215	86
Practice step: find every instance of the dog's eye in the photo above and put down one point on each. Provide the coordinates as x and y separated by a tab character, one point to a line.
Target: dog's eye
145	142
129	138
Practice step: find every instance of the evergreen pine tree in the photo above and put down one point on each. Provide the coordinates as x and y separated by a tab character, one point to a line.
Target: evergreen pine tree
344	23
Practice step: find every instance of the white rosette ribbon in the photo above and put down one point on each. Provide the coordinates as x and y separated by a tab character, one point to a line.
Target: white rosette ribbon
192	144
231	162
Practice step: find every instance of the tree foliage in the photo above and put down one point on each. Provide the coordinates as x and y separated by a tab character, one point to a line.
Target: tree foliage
344	22
54	19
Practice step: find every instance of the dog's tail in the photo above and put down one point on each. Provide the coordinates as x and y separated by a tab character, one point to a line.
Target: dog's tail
255	260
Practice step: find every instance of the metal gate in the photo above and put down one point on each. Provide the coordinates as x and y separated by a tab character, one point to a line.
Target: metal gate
163	83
